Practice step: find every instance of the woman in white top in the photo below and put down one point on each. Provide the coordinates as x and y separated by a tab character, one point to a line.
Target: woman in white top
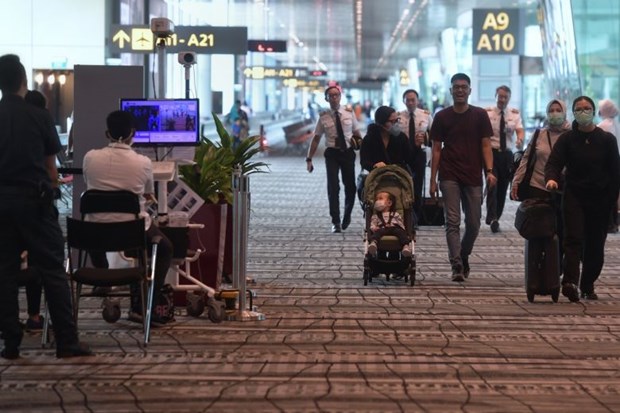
555	125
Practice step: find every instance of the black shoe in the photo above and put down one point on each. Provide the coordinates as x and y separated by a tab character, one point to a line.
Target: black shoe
494	226
10	353
457	274
75	350
591	296
33	325
465	261
571	292
101	291
156	321
346	221
336	228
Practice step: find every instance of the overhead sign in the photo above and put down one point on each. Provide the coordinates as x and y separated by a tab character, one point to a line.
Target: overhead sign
267	46
496	31
294	82
318	73
199	39
403	74
261	72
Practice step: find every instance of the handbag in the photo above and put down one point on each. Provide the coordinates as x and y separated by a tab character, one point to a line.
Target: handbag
535	218
523	190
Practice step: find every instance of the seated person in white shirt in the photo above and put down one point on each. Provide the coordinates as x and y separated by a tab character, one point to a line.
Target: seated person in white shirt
118	167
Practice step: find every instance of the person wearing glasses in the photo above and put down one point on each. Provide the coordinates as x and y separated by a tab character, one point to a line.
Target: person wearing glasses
591	161
507	125
342	137
384	143
461	136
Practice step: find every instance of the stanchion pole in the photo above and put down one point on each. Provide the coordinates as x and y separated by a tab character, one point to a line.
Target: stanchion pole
241	220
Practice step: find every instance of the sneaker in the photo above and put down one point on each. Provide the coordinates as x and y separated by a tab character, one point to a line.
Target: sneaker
34	325
591	296
494	226
571	292
372	248
465	261
406	250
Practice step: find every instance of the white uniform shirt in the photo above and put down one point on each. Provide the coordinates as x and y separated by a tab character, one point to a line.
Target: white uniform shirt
118	167
327	125
422	118
512	118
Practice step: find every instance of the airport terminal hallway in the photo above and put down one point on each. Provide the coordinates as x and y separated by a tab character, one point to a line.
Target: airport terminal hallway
330	344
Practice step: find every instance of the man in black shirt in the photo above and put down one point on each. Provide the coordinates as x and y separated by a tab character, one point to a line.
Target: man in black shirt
28	218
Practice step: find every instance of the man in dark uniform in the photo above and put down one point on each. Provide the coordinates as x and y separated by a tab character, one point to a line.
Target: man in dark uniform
28	218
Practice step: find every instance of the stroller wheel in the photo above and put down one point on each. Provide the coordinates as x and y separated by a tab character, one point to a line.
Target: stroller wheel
412	274
366	276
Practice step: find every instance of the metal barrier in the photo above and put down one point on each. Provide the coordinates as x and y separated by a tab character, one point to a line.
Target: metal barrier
241	220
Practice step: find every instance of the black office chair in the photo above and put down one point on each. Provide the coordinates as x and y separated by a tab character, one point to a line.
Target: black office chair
85	236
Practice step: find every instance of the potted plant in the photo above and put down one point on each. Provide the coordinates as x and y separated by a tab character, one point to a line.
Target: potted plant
211	179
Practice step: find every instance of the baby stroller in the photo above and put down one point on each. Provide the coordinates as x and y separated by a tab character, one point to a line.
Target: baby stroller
389	258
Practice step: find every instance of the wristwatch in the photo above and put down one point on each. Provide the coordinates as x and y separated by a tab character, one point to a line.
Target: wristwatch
308	159
489	171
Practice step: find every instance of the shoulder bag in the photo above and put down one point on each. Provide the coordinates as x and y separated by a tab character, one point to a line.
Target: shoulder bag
523	191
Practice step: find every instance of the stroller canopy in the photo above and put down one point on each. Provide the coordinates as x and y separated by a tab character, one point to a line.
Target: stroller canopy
392	179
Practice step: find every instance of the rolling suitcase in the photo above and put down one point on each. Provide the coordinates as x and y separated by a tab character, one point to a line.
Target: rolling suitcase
432	212
542	268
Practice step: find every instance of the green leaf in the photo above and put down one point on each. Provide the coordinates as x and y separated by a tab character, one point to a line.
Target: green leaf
211	176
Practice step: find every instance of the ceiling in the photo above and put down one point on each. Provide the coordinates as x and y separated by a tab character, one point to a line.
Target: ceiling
325	33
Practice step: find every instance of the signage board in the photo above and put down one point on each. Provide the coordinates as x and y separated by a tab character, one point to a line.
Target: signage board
262	72
267	46
496	31
199	39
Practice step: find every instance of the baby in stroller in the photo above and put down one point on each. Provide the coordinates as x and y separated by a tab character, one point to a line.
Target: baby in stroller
387	221
389	237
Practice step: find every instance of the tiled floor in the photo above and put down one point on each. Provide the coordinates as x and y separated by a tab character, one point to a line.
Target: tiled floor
330	344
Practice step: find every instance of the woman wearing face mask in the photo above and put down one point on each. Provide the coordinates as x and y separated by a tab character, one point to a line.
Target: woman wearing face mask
592	179
555	125
384	143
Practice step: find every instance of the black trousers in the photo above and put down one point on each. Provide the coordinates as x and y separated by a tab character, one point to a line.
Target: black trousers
418	169
343	162
398	232
164	259
496	196
30	224
585	233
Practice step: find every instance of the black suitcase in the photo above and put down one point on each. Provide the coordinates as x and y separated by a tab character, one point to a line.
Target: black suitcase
431	213
542	268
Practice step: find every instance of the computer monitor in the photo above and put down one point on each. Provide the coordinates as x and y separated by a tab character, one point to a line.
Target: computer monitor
164	122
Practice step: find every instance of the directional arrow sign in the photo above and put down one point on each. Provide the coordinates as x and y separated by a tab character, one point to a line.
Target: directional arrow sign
121	37
199	39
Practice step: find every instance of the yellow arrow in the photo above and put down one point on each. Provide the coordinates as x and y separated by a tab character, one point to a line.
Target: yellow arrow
121	37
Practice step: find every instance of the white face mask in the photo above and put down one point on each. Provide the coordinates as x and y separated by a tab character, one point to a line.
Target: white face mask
380	205
395	130
556	119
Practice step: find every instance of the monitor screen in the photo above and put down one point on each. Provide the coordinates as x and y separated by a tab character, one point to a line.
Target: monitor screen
164	122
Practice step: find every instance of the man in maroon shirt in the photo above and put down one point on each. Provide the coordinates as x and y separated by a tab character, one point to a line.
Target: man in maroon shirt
462	148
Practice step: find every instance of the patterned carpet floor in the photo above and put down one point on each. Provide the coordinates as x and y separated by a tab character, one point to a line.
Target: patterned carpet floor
330	344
